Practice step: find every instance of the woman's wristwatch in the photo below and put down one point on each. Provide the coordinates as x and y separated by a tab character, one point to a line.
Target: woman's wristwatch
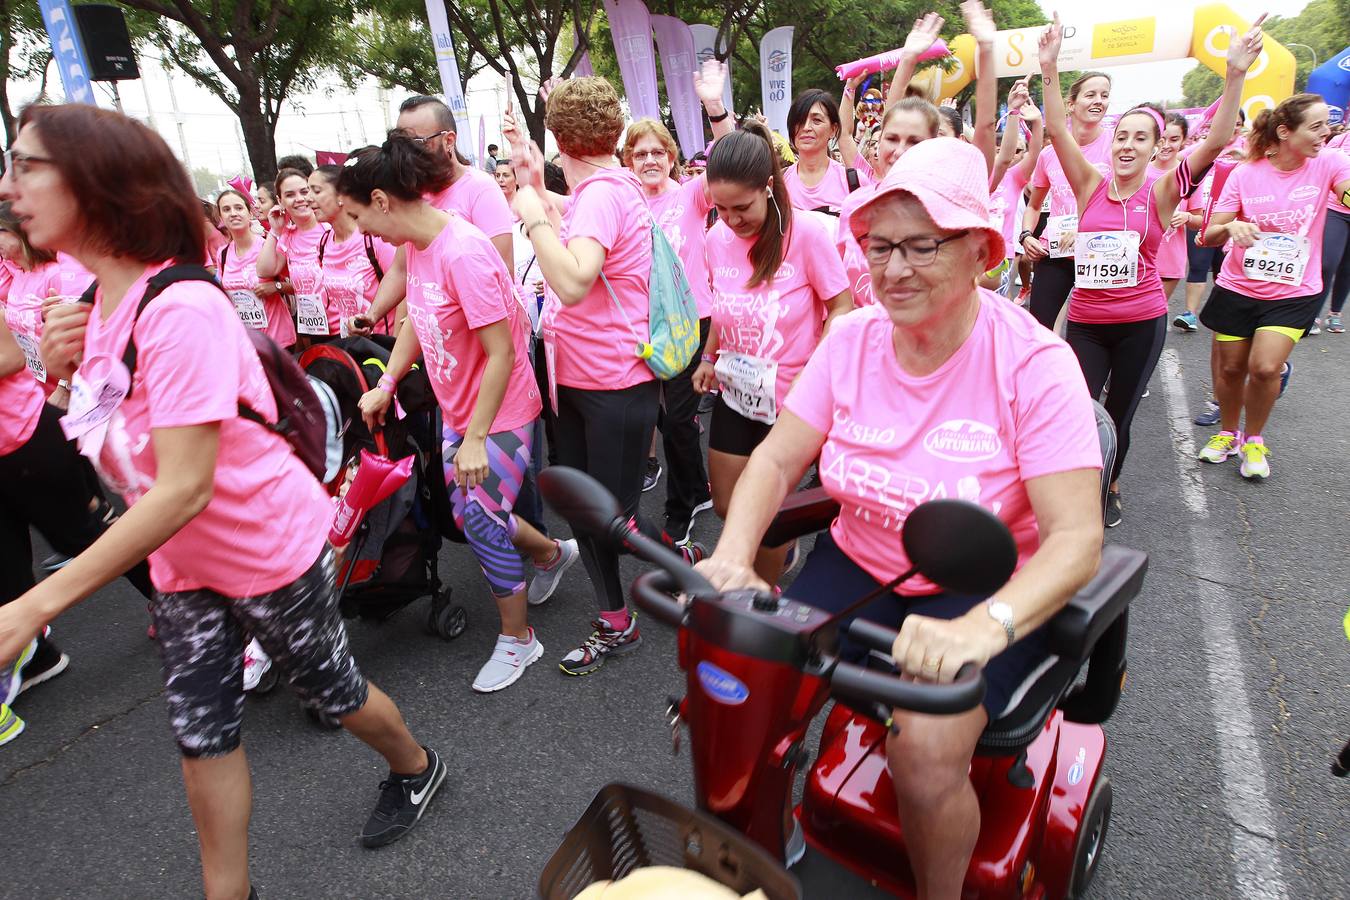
1022	238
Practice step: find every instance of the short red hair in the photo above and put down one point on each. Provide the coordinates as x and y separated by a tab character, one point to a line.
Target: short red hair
135	197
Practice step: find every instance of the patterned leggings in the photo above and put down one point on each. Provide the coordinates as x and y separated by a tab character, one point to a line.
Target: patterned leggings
484	512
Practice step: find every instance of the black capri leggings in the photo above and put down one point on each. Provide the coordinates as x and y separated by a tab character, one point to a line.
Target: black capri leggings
1050	287
1125	352
607	434
46	484
1336	260
1201	262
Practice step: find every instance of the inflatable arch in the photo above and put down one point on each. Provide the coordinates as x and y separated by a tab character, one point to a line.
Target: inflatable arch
1097	45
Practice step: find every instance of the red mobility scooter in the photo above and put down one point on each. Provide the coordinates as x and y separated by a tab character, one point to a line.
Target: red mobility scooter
759	668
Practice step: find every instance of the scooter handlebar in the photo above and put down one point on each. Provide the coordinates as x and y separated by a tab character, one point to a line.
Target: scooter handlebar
654	592
965	693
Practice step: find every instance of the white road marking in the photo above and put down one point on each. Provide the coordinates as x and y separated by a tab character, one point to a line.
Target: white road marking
1256	852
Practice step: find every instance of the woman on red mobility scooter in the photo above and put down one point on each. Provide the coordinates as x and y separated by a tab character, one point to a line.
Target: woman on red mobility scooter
941	390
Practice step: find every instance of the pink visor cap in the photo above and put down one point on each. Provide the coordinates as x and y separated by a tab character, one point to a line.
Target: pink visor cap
950	178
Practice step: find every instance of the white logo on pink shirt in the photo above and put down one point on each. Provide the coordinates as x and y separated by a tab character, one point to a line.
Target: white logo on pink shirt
1304	192
963	440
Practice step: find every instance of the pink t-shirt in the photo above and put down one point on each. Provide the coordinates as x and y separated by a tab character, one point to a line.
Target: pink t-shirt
1339	143
268	517
7	270
1287	202
23	312
240	273
1010	405
456	285
829	192
855	263
476	196
593	346
349	282
682	212
1050	174
302	258
21	402
1003	206
1138	214
781	320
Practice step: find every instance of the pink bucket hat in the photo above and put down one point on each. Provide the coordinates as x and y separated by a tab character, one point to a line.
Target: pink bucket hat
950	178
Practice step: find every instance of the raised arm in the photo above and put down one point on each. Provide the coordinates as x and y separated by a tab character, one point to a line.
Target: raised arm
1082	175
1242	54
921	37
271	258
709	83
848	147
981	26
1007	147
1031	117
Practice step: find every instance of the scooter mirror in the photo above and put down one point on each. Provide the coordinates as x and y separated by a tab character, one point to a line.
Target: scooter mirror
960	546
584	502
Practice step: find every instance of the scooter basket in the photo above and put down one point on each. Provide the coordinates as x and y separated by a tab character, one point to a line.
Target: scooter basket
627	828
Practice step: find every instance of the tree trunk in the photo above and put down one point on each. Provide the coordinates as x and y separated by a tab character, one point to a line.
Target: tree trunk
259	137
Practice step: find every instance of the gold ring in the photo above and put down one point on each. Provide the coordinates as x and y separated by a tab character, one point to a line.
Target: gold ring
932	664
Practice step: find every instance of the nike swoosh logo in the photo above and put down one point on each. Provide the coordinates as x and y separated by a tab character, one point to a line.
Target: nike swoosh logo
419	796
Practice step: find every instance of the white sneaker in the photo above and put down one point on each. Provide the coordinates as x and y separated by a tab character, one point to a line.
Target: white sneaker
507	662
545	580
256	664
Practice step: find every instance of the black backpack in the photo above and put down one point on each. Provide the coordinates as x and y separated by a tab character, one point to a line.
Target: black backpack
853	184
370	253
300	418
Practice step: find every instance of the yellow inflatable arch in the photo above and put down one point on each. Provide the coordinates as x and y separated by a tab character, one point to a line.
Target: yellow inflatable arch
1199	35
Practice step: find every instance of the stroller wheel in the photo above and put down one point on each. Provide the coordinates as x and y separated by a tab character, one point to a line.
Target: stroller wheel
322	719
446	620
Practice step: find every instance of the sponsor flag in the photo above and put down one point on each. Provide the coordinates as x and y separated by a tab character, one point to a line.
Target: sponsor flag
775	76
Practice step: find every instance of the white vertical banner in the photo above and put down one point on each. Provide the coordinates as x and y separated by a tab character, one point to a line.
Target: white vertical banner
444	43
705	48
631	27
676	46
775	77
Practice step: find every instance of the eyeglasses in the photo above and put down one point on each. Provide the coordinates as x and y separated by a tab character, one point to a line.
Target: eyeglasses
20	164
430	137
640	155
917	251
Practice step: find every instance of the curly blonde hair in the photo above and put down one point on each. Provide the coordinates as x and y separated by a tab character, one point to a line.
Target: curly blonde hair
585	117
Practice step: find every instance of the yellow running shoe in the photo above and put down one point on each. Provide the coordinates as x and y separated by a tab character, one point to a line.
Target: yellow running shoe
1254	464
11	726
11	678
1221	447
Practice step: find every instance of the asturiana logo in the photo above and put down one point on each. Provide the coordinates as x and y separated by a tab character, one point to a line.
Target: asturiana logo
1108	244
962	440
721	685
777	61
1304	192
1282	244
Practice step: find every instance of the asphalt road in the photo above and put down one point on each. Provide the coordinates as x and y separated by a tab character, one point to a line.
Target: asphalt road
1239	693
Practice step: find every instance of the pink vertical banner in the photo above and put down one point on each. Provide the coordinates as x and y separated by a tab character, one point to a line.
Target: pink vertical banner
583	69
675	44
705	46
631	26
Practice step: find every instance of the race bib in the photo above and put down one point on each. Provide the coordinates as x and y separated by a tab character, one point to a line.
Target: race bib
1059	235
97	388
29	345
748	384
1276	257
310	315
249	308
1106	259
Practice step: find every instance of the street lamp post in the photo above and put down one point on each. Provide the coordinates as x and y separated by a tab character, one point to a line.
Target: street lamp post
1311	51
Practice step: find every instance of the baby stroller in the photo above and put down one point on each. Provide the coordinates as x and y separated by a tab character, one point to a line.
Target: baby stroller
392	561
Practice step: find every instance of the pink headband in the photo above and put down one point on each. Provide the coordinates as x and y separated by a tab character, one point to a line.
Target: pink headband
1162	126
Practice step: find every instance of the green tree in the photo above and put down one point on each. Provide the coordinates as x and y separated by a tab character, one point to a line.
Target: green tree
252	54
24	53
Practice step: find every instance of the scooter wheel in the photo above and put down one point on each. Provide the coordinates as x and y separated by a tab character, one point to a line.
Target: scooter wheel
1087	850
322	719
446	620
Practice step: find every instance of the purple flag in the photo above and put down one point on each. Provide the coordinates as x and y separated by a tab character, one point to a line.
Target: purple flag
676	46
631	27
584	69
